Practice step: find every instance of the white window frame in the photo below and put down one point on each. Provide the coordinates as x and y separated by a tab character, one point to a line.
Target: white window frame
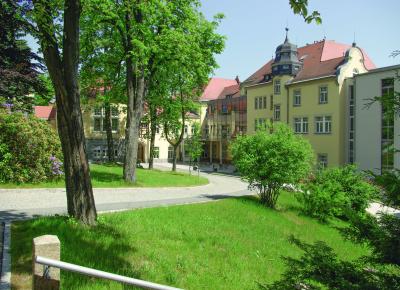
277	109
323	125
322	159
277	87
300	125
323	95
296	98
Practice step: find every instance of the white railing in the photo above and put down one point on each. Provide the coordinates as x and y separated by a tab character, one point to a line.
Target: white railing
46	262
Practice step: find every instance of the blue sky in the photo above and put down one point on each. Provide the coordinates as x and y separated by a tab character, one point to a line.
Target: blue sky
254	28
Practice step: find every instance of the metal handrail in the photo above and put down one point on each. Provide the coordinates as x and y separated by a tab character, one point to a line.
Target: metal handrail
100	274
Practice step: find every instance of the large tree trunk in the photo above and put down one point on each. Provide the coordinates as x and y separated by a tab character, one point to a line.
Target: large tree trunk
174	157
153	129
108	126
64	75
136	89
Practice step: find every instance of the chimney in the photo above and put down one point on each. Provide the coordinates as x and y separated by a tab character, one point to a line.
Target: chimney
237	80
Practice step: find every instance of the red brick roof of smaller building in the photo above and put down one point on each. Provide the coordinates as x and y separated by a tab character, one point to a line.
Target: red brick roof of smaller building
45	112
214	88
233	91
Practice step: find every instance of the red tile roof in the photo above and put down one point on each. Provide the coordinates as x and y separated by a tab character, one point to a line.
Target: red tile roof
45	112
319	59
215	87
233	91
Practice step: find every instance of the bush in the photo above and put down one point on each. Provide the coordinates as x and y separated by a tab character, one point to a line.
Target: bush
381	234
270	159
320	268
336	191
30	150
389	182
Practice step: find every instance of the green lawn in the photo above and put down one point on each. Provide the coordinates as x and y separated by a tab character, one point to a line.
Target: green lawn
111	176
229	244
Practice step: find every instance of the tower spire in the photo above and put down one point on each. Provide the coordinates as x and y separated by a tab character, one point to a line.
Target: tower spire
287	30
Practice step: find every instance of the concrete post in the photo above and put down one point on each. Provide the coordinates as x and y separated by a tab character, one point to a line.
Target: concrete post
47	246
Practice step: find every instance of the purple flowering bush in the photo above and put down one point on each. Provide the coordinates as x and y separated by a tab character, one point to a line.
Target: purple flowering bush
30	150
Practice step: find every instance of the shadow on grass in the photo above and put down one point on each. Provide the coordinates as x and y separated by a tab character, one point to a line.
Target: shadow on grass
100	176
102	247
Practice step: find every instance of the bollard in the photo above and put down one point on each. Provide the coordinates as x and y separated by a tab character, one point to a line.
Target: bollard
46	278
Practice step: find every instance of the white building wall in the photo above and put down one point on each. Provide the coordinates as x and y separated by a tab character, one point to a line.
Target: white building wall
368	120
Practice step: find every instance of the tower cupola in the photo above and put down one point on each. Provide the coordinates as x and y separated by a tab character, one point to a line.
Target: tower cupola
286	61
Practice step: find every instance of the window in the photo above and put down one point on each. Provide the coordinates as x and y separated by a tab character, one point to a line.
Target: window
157	130
192	130
265	103
170	152
260	123
260	103
99	119
277	87
114	124
186	129
277	112
323	95
156	152
323	125
296	98
256	103
271	102
387	138
322	161
351	131
301	125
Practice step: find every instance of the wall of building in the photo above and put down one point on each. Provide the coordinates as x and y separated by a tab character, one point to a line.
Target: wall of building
368	120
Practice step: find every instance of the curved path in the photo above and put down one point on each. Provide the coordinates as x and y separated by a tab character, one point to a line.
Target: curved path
26	203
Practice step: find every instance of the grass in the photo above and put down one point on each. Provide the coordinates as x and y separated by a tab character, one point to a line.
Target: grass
110	176
229	244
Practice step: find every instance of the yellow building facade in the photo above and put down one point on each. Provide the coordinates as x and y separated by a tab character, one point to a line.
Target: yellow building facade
304	88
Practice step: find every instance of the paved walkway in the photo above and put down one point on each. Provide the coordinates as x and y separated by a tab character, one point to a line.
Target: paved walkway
26	203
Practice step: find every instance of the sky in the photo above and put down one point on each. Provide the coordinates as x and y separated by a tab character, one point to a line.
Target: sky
254	28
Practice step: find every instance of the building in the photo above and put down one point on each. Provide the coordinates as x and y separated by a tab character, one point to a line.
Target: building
96	138
371	139
47	113
225	118
304	88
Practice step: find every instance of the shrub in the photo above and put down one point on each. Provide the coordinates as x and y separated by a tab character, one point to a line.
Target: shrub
335	192
270	159
320	268
389	181
30	150
381	234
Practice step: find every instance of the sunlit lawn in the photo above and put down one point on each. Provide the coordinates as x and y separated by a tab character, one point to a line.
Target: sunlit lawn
229	244
111	176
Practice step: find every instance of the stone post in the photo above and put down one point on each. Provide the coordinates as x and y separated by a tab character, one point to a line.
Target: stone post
47	246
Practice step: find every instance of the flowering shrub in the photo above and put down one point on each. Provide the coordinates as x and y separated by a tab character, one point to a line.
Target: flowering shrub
56	166
30	150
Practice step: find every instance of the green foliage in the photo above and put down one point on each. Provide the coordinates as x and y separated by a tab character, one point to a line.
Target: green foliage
389	182
301	7
381	234
19	66
27	147
43	98
194	144
320	268
336	191
271	158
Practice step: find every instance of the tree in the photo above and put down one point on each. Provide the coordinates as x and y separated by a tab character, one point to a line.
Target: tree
190	62
301	7
19	66
272	157
101	72
194	145
62	58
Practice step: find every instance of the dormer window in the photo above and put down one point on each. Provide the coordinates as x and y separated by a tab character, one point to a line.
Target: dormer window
228	96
